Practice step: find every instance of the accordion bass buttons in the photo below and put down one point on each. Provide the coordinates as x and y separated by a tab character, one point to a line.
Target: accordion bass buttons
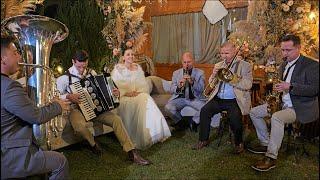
93	96
96	102
87	83
99	108
90	89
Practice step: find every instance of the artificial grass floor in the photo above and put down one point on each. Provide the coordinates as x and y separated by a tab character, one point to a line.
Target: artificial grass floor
174	159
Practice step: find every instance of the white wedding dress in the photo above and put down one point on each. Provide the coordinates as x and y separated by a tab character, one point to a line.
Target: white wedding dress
142	118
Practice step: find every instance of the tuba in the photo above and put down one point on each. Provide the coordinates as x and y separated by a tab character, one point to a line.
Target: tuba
224	74
36	35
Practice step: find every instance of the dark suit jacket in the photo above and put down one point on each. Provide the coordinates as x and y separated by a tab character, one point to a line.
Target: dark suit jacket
305	89
20	156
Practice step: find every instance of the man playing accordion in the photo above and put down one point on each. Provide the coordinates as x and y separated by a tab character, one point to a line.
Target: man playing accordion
74	74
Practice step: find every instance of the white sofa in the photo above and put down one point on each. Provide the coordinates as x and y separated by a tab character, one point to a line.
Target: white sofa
160	92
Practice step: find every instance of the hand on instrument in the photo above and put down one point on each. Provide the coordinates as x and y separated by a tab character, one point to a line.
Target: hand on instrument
64	103
181	83
214	71
188	78
282	86
235	79
116	92
74	98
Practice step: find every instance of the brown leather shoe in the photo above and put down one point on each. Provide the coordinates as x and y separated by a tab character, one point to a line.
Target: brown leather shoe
136	158
200	145
239	149
265	164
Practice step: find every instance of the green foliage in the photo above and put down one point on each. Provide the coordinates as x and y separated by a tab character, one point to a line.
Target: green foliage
85	22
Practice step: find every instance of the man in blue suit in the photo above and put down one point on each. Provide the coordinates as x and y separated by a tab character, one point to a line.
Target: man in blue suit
20	156
187	87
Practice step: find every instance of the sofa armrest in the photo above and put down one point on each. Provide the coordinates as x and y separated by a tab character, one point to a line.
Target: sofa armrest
159	85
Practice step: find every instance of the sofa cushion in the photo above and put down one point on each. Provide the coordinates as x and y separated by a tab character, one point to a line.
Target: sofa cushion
157	85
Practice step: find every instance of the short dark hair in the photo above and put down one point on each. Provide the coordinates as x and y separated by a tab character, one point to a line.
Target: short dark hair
81	56
290	37
6	40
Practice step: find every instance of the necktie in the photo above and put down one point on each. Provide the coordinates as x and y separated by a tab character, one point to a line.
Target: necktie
288	70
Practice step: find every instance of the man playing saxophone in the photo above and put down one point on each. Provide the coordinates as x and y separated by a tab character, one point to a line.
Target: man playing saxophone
300	91
232	95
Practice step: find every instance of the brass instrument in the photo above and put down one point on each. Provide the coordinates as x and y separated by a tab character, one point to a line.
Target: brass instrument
224	74
273	99
36	35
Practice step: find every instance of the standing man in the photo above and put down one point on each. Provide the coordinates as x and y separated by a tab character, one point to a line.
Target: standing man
300	92
20	156
75	73
187	87
233	97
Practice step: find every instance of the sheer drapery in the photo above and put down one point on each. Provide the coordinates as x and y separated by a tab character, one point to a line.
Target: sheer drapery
174	34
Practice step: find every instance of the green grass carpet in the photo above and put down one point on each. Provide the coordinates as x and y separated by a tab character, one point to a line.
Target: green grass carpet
174	159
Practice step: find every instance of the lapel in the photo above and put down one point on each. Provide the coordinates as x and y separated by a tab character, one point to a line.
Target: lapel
296	69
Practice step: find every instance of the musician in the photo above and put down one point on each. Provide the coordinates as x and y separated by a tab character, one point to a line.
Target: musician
78	71
233	97
300	91
186	88
20	155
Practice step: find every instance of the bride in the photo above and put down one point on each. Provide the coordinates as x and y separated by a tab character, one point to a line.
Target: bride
140	115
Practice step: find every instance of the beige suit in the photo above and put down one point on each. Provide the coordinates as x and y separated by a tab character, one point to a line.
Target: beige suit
242	88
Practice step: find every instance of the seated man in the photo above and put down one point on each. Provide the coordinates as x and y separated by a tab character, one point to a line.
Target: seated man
75	73
300	91
233	97
187	87
20	155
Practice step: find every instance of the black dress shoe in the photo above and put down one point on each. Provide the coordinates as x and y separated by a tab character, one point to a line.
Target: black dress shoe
200	145
96	149
136	158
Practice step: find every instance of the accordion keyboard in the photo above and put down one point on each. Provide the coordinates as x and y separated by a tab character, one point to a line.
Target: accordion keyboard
86	104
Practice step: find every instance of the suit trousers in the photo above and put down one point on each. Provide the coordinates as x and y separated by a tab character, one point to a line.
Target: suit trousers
109	118
215	106
174	107
57	164
278	121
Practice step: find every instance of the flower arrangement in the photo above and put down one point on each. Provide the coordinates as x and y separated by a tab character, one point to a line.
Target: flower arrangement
124	26
279	17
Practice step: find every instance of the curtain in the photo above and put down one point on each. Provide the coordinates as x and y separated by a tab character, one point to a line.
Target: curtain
174	34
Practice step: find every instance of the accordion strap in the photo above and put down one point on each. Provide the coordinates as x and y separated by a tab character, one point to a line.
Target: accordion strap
72	75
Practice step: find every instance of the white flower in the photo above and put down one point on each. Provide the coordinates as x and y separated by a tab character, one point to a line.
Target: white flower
290	3
285	8
299	9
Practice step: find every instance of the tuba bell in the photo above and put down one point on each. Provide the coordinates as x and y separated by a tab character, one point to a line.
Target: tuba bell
36	35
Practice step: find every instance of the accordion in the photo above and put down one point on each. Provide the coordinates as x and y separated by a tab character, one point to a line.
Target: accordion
95	95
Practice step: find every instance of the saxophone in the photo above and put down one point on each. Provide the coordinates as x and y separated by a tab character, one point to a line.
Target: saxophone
273	99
